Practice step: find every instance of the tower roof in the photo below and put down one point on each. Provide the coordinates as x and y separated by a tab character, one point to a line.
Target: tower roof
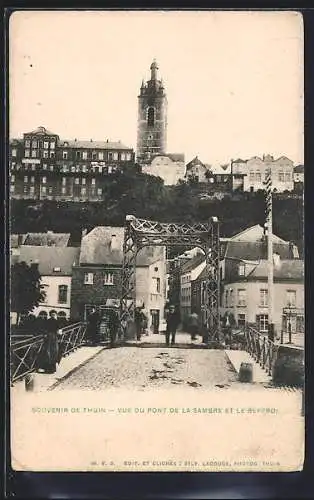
154	65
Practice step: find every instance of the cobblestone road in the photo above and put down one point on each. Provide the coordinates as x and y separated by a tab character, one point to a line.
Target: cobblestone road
140	368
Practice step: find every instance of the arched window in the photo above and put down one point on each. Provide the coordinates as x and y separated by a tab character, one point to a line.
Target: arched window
151	117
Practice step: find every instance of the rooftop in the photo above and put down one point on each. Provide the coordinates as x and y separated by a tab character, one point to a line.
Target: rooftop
49	239
299	169
287	269
50	259
244	250
94	144
104	246
192	263
41	131
195	162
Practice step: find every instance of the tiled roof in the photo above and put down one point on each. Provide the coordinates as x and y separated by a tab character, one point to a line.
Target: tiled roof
254	233
221	170
104	246
40	131
194	162
49	258
287	269
49	239
299	169
203	275
238	160
95	144
176	156
192	264
255	250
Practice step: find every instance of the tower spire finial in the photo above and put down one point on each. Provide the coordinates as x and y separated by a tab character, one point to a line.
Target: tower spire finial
154	69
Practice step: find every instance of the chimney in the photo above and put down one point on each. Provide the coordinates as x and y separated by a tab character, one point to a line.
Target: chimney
91	140
84	232
107	140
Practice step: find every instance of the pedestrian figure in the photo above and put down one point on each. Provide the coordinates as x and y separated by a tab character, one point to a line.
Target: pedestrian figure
172	320
114	323
93	321
205	333
51	343
193	325
139	318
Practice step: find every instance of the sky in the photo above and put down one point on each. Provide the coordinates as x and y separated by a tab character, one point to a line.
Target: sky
234	80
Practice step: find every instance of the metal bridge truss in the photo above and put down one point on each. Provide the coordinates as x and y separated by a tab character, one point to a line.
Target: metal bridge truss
140	233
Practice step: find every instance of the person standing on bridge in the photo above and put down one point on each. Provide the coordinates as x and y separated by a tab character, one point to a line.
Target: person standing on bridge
93	321
193	323
50	351
139	318
173	321
114	324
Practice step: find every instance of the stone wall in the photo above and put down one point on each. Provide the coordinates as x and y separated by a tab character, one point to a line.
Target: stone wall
288	367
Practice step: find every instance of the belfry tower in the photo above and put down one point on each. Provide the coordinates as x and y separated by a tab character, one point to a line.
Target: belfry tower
152	118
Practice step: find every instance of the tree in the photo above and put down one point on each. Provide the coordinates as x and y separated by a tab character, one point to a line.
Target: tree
26	288
209	175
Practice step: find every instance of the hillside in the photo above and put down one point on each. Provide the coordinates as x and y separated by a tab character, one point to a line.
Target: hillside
146	196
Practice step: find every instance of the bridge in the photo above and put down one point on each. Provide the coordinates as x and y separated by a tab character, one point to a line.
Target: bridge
267	360
65	360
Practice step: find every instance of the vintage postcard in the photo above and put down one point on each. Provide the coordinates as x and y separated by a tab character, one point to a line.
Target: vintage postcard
156	180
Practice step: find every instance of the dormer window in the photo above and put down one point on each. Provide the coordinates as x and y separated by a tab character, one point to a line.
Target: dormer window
56	269
242	269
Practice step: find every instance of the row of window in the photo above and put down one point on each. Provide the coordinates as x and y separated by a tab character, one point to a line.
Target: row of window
50	190
63	293
108	279
85	168
186	294
43	180
39	144
263	298
36	154
261	321
79	155
106	169
282	176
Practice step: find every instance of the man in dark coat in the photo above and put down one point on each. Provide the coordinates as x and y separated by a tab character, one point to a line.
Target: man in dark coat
172	320
50	347
139	319
93	326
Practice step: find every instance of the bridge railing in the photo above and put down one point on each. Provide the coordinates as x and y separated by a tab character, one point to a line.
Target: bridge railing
32	352
25	352
70	338
262	349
